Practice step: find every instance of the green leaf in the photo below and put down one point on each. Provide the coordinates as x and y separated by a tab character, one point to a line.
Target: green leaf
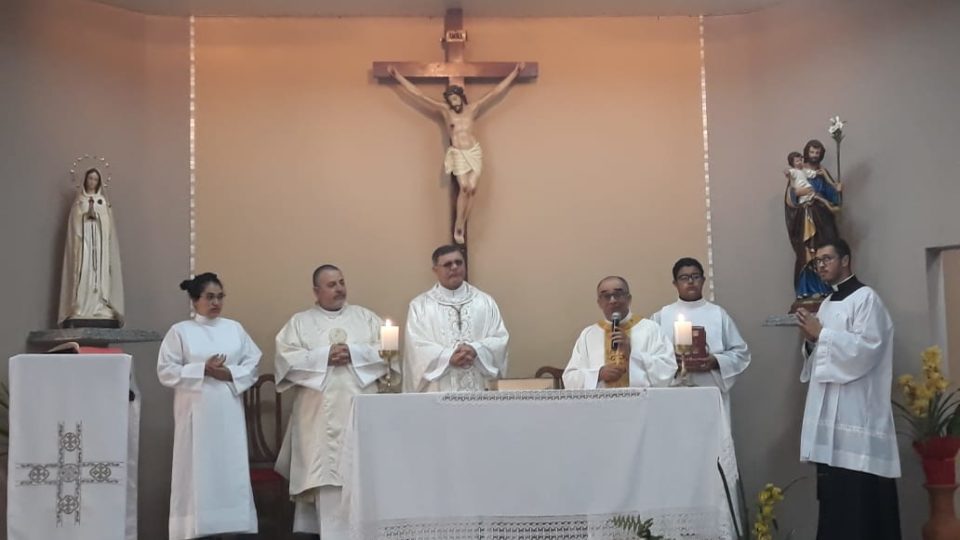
953	428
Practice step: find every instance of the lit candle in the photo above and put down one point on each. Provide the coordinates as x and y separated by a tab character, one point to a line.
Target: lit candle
682	331
389	336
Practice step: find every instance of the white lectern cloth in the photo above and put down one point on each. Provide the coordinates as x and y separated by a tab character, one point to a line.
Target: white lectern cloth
68	447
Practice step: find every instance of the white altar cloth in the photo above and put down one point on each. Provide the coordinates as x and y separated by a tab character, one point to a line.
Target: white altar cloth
68	460
551	464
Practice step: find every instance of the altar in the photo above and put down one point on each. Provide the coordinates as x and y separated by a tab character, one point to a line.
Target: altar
537	464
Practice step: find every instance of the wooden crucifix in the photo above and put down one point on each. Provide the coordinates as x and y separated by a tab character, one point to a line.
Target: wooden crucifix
464	158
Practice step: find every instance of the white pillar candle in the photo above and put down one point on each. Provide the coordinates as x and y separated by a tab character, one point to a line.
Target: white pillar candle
389	336
682	331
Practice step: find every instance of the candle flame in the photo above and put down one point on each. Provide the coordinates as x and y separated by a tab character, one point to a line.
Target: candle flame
388	323
680	317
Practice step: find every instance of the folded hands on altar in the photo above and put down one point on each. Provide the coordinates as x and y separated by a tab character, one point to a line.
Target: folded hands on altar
463	356
339	355
215	368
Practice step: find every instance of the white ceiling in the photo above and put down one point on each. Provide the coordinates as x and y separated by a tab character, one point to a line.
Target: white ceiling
434	8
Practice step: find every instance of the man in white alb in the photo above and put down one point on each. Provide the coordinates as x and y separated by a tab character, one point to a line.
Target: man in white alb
325	356
455	339
635	353
848	428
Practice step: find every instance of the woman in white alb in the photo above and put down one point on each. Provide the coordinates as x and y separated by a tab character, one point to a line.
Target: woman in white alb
209	361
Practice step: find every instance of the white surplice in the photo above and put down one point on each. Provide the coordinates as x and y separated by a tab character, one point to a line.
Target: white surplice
323	397
438	321
210	490
723	342
733	356
652	361
848	419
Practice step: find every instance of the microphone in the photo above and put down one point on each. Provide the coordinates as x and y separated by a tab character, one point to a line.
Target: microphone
615	320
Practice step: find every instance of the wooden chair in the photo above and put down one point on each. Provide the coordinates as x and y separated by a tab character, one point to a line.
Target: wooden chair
537	382
556	373
270	489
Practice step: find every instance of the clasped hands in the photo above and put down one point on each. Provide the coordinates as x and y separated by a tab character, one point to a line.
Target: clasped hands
215	367
463	356
339	355
810	325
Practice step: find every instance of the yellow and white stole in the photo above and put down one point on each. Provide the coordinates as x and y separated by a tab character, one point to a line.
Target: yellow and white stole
616	358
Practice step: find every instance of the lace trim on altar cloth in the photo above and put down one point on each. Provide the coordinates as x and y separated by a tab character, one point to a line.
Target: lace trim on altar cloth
699	524
543	395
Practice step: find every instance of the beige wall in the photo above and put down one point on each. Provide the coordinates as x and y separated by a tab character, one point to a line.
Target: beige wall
773	82
81	78
595	168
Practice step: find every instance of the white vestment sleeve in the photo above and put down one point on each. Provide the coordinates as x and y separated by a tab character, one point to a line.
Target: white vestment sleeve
579	374
296	364
735	357
424	360
171	369
842	356
492	348
244	372
365	362
652	361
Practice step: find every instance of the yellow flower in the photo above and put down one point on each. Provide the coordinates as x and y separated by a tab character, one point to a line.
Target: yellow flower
905	380
932	354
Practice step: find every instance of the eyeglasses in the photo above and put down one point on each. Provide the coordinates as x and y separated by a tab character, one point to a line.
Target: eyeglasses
690	278
613	297
453	264
824	260
210	297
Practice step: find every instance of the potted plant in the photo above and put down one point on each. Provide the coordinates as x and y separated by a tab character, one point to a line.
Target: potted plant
931	413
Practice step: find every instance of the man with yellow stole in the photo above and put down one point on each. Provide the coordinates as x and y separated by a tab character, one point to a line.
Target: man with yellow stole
622	349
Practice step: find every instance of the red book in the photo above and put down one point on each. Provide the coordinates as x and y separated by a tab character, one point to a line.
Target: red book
100	350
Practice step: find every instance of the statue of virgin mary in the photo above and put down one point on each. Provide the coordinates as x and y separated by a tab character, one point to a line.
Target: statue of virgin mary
91	289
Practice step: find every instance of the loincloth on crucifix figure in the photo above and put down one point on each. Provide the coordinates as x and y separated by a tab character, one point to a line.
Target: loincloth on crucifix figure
461	161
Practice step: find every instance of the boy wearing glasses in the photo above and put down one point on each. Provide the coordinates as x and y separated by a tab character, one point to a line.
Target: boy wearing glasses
633	352
455	339
729	354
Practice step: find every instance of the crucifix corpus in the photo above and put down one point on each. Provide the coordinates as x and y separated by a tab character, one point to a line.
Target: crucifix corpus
464	158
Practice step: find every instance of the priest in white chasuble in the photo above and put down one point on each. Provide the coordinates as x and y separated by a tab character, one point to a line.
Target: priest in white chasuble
455	339
210	362
729	354
325	356
848	428
622	349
